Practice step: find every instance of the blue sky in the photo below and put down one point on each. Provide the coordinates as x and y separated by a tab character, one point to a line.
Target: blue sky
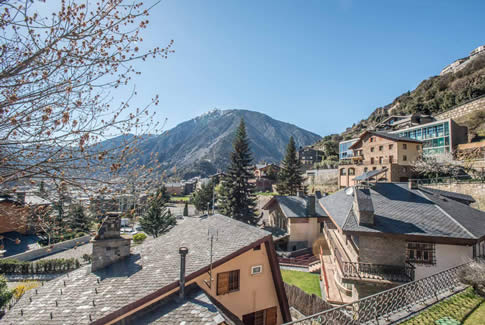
321	65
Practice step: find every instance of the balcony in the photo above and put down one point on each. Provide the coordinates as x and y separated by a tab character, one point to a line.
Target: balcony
352	270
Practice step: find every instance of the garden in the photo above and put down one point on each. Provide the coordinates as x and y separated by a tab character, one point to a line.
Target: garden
308	282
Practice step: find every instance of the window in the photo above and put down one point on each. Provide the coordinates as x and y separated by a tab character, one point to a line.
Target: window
257	248
371	139
227	282
342	172
421	253
391	158
351	171
404	146
371	149
417	147
404	158
381	160
365	169
374	168
381	148
261	317
372	160
257	269
390	146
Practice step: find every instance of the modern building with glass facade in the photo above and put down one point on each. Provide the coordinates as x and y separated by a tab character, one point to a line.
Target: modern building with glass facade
438	137
343	149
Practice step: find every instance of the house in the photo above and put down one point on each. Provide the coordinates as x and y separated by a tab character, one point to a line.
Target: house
386	152
205	270
300	217
266	170
385	234
309	156
398	122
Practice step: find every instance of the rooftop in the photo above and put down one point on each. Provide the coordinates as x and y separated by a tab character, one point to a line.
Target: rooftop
296	206
82	296
404	211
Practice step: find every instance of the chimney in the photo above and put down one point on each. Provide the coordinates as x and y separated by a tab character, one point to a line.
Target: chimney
183	251
108	246
413	184
21	197
311	205
300	193
363	207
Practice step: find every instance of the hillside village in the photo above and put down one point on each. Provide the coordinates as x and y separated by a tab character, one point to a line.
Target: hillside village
239	219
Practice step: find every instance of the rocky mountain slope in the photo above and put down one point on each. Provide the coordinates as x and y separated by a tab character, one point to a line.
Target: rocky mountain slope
202	145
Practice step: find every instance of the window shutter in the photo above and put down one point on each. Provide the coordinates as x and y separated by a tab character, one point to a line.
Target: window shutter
271	316
222	283
248	319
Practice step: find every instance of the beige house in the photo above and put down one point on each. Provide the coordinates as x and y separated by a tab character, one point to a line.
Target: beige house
375	150
210	270
300	217
386	234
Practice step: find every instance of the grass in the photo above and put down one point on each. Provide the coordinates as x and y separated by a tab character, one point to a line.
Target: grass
458	307
185	198
308	282
266	193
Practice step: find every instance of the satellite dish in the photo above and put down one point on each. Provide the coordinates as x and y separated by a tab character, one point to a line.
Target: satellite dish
349	191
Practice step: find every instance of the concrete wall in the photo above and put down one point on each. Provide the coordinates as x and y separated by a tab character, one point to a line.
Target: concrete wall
303	231
476	190
42	252
447	256
379	250
466	108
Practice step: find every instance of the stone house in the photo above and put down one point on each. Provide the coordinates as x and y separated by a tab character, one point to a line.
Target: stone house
308	156
205	270
386	234
375	150
300	217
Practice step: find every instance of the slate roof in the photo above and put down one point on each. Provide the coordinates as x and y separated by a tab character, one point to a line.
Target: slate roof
196	309
385	135
297	207
151	266
400	210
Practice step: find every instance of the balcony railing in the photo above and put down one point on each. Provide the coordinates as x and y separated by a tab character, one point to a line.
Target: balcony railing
368	271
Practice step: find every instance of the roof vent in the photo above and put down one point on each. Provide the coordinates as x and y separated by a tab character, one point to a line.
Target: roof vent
349	191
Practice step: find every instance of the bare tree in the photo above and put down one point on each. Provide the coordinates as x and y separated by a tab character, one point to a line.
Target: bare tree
56	73
438	165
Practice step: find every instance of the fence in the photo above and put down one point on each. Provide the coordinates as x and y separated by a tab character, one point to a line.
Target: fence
450	180
383	305
306	304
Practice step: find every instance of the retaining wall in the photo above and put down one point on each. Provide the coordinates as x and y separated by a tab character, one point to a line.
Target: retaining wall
476	190
56	248
476	104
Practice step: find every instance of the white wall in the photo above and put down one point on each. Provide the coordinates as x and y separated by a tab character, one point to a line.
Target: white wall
447	256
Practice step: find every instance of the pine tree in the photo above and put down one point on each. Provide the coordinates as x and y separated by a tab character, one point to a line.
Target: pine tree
157	219
186	209
77	219
202	198
290	179
239	193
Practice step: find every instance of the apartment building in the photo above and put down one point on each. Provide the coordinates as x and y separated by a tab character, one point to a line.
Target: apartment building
309	156
386	234
205	270
381	151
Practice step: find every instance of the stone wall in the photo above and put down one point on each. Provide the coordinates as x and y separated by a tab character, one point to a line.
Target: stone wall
463	109
380	250
476	190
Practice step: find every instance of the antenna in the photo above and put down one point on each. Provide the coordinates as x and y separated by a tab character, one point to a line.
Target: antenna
211	234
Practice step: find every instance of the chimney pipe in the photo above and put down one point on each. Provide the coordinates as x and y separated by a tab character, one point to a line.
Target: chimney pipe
412	184
183	251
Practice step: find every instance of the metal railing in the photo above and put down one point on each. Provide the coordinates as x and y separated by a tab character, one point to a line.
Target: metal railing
384	305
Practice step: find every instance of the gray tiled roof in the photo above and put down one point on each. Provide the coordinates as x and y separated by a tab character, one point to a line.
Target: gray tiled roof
196	309
451	195
394	136
296	207
400	210
152	266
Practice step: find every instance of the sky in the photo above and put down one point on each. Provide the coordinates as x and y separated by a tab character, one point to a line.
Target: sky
321	65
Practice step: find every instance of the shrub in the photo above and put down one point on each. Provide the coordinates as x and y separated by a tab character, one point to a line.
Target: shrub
5	293
139	238
56	265
22	288
87	258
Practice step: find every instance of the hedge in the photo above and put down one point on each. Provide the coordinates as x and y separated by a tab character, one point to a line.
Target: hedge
58	239
55	265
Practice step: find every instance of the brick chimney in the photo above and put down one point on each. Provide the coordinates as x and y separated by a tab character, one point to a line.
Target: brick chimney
363	207
108	245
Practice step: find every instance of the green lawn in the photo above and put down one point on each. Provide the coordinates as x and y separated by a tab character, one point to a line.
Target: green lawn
457	307
185	198
266	193
308	282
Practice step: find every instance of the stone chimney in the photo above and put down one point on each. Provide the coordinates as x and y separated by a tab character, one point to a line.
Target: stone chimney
413	184
311	205
363	207
108	245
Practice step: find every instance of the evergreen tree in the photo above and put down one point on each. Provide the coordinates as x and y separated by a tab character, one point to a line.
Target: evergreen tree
223	198
78	221
157	219
239	195
290	178
5	293
202	198
186	209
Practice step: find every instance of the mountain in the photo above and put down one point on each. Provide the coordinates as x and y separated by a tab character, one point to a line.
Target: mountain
459	82
202	145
